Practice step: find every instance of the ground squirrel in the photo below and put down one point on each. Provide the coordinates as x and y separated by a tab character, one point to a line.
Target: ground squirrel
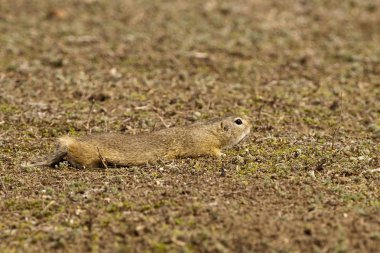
111	149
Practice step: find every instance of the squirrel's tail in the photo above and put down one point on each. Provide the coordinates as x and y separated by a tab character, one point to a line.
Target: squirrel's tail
52	159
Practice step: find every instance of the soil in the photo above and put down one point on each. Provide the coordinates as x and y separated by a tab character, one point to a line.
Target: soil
307	73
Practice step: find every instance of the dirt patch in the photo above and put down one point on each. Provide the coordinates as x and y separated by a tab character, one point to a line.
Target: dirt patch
306	72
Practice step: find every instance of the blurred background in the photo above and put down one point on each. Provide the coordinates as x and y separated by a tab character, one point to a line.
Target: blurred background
307	74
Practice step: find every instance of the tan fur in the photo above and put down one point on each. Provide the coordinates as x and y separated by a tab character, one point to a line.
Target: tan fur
199	139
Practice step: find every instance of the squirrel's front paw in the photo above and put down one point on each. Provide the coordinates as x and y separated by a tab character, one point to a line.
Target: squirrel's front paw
219	153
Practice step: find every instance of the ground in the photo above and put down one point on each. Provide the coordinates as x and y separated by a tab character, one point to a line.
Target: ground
307	73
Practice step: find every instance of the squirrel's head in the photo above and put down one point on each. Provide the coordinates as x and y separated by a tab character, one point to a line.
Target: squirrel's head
233	129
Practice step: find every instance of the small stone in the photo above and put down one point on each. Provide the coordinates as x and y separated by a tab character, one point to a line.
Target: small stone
312	174
114	73
57	14
297	153
197	115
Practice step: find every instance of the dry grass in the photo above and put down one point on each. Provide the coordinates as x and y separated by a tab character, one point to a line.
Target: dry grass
306	72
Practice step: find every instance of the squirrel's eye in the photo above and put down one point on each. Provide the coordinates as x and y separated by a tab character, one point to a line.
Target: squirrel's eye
238	121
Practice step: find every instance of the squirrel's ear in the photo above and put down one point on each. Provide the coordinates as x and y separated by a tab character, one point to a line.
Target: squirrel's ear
224	127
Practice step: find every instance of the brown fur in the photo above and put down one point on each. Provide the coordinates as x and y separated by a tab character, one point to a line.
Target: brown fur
195	140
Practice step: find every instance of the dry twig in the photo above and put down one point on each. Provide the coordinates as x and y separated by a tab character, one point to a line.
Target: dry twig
102	159
336	131
3	185
162	120
88	129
